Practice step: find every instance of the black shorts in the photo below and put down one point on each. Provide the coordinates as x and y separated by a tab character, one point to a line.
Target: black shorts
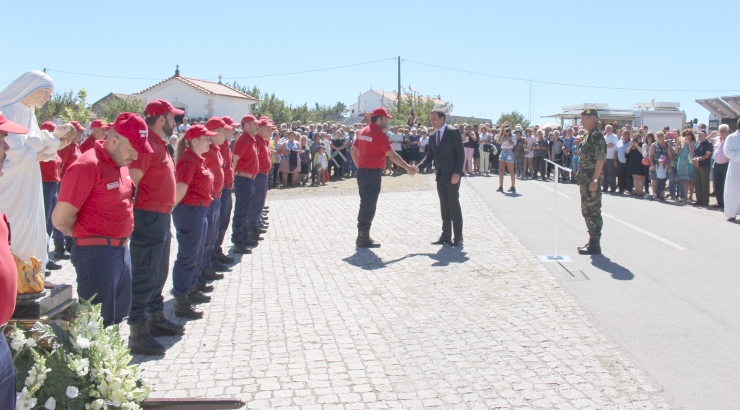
304	168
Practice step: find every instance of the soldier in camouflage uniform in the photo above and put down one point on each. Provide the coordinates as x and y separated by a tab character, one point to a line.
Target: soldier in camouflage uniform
593	156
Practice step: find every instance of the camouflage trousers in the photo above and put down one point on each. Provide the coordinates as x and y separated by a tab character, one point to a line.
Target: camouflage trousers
591	210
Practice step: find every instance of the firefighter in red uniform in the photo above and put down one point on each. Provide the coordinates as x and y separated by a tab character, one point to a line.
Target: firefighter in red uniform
95	207
246	167
69	154
98	128
369	152
215	162
226	199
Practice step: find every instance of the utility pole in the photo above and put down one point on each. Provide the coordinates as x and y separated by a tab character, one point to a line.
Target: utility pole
43	110
399	85
530	100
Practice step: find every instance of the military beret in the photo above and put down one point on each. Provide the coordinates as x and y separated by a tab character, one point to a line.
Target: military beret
590	111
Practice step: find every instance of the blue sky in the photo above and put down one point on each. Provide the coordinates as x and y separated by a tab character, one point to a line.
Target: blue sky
656	45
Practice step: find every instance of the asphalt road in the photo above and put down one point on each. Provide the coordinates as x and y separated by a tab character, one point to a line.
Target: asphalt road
666	289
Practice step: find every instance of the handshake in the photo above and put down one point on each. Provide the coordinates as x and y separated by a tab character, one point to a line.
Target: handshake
412	170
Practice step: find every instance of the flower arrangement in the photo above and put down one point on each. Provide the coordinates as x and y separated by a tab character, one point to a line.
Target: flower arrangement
75	365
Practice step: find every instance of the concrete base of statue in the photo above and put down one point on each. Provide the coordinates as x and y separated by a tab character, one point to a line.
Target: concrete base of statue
42	306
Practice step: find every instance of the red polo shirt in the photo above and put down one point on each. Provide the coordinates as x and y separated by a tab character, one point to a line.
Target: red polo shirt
373	144
215	163
102	191
69	155
50	170
247	152
192	170
87	144
264	155
8	274
228	170
156	189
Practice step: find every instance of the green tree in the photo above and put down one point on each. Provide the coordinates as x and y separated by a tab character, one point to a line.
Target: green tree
115	106
514	118
68	106
340	108
419	105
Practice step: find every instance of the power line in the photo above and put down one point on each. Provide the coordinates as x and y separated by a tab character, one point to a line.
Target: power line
105	76
562	84
312	71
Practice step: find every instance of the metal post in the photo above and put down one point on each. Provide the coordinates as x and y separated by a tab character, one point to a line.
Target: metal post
399	85
555	257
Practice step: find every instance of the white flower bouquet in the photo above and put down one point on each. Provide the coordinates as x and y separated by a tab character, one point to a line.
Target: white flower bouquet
75	365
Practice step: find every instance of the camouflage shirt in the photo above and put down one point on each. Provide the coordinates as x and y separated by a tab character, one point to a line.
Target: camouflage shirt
593	148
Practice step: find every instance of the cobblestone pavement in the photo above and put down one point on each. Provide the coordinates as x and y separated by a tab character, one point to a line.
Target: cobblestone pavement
310	322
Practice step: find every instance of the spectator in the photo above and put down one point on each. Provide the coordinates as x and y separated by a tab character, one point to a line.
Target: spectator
519	152
685	169
414	144
184	127
620	159
470	142
575	156
350	168
635	165
568	152
539	148
320	164
610	171
289	163
396	138
661	172
528	153
556	150
305	157
485	150
506	160
659	148
646	147
702	161
720	166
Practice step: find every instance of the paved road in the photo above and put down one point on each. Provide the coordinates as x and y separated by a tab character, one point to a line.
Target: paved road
666	289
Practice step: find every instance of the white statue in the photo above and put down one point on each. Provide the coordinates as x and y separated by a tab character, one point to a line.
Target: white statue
21	195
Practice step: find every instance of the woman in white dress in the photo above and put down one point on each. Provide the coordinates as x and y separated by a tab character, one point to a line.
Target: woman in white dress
731	149
21	195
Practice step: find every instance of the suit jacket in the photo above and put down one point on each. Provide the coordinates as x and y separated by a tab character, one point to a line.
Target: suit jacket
449	156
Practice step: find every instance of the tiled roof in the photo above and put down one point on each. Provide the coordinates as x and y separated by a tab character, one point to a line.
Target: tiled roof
206	87
393	96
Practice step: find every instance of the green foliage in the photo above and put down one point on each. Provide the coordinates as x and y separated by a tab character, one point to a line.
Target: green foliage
114	106
514	118
68	106
419	105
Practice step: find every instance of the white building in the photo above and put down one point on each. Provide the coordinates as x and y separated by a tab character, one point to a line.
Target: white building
200	98
373	99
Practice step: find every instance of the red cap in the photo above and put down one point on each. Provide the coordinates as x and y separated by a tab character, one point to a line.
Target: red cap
133	128
98	124
159	107
198	131
265	123
381	112
248	118
78	126
217	122
48	126
229	121
11	127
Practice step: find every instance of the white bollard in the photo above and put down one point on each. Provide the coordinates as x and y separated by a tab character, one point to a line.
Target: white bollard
555	257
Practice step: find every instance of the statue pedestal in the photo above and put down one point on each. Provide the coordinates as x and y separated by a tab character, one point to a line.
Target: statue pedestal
42	306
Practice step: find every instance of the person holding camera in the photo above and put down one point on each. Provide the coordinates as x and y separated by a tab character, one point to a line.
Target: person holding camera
506	159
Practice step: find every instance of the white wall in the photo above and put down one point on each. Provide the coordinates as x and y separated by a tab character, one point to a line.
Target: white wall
197	104
371	100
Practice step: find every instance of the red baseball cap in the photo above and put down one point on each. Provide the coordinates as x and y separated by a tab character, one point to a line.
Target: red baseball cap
217	122
48	126
11	127
227	119
133	128
265	123
381	112
198	131
98	124
159	107
248	118
78	126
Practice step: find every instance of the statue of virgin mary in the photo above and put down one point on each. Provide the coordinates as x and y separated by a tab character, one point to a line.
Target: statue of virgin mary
21	195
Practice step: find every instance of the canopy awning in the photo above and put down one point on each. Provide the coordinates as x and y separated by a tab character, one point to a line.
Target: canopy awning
603	114
719	107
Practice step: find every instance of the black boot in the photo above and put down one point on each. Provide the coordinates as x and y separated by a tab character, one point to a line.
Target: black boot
141	342
223	258
68	244
250	242
592	248
184	309
210	274
159	325
365	241
197	296
60	253
219	267
241	248
204	287
50	265
255	235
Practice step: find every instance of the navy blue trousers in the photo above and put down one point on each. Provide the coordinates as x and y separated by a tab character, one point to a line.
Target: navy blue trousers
51	193
223	220
105	271
191	223
214	213
7	376
258	201
243	193
150	263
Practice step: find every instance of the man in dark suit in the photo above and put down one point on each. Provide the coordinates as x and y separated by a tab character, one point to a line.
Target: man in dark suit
446	149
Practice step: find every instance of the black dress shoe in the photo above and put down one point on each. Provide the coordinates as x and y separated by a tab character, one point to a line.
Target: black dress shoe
50	265
204	287
265	218
500	189
266	208
241	248
219	267
225	259
457	242
441	241
197	296
250	242
60	253
210	274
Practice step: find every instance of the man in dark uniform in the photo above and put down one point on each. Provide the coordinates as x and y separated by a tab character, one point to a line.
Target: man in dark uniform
369	152
593	156
95	207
